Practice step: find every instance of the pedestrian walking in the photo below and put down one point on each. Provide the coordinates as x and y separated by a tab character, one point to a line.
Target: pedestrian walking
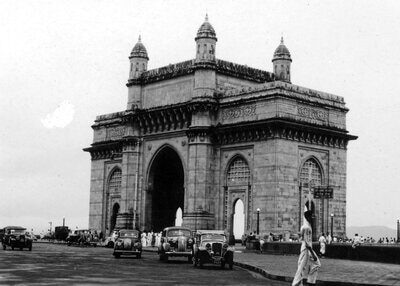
322	244
308	263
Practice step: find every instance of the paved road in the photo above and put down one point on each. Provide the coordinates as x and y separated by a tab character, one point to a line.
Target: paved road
54	264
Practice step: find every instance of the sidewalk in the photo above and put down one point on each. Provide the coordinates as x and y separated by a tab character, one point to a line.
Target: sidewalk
333	272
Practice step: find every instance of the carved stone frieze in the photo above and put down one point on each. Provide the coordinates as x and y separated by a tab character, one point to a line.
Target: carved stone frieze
239	112
271	130
312	113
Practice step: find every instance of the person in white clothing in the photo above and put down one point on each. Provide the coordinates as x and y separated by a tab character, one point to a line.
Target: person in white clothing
322	244
308	263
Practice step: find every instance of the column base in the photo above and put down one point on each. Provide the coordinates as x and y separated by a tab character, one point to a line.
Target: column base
199	220
124	221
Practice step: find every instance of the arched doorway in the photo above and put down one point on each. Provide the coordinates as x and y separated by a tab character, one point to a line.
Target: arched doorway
178	217
238	219
165	190
113	221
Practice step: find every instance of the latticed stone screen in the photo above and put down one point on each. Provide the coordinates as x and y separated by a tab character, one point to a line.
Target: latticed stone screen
114	184
238	172
310	173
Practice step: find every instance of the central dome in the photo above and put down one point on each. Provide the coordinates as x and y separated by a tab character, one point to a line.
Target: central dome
206	30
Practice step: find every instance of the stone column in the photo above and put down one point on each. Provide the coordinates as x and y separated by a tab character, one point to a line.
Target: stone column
198	213
130	160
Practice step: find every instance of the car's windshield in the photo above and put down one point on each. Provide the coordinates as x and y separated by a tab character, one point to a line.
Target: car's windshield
17	231
213	236
125	233
178	232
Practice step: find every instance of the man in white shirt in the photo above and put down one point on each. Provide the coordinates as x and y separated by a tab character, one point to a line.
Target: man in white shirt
308	263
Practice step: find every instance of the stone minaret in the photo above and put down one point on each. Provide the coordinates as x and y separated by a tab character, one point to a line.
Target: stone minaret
138	60
281	62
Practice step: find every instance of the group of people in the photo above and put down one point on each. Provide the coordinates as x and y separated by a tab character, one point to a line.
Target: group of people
151	238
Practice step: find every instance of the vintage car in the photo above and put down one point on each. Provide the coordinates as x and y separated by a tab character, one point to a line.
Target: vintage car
128	242
211	246
16	237
110	240
83	237
176	241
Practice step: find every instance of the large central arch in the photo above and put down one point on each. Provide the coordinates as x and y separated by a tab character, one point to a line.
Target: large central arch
165	189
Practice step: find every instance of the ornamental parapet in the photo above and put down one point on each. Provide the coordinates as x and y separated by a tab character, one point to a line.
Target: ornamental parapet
244	72
284	89
188	67
163	73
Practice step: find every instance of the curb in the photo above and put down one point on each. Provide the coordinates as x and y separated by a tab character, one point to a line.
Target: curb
290	279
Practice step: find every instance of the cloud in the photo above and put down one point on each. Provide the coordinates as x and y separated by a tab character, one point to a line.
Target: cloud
61	117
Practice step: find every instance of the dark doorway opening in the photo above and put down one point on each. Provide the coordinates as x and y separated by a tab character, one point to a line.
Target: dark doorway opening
115	212
166	182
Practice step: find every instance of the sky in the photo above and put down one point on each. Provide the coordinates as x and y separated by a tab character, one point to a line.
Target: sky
64	62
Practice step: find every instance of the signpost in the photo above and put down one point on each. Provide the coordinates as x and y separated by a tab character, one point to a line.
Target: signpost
323	192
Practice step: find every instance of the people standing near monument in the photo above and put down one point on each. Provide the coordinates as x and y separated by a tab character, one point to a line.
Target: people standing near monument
308	263
328	238
322	244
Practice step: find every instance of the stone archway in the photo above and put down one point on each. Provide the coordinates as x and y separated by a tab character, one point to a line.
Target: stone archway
165	190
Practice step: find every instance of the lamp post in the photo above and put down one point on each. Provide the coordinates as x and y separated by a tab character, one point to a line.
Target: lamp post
332	215
258	221
398	231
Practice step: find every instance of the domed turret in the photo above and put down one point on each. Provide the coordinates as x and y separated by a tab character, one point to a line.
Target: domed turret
206	39
138	59
206	30
281	62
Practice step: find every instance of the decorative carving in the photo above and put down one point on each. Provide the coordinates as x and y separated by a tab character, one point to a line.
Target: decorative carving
240	111
312	113
115	132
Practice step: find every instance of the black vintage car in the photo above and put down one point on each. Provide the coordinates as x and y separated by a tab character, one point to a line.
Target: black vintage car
83	237
211	247
176	241
16	237
128	243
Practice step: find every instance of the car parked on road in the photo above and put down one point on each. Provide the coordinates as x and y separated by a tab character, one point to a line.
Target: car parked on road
176	241
82	237
16	237
128	243
211	246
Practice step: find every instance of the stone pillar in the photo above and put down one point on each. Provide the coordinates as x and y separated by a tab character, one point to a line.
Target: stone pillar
130	162
198	213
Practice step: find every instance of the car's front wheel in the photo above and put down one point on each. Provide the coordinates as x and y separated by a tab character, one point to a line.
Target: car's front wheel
110	244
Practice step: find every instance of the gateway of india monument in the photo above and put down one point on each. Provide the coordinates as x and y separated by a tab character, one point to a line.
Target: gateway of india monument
201	136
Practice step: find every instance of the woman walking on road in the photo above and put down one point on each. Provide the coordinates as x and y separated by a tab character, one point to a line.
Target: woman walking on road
308	264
